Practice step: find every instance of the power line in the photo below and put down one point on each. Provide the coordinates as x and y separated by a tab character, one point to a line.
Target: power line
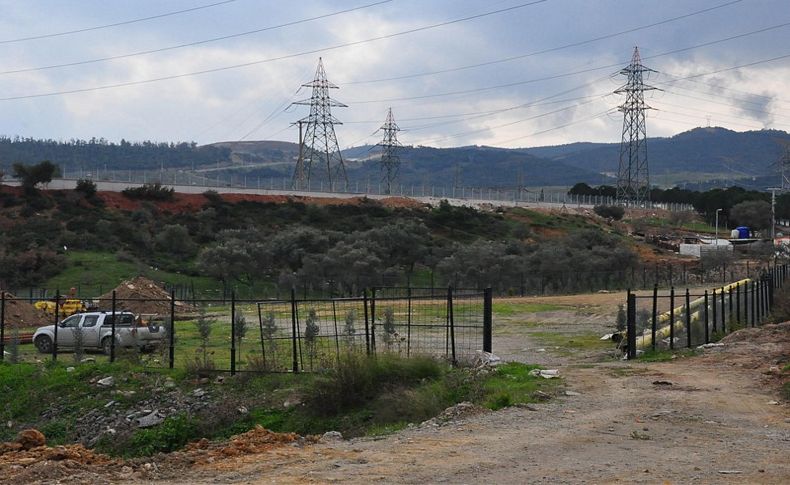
192	44
545	51
273	59
116	24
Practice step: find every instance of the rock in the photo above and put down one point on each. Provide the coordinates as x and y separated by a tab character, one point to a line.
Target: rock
106	382
198	392
773	403
219	380
110	403
31	438
289	403
170	383
69	369
330	436
242	410
149	420
88	359
204	380
545	373
572	393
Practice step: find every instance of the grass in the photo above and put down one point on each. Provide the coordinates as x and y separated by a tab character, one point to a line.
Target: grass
360	396
94	273
506	308
572	343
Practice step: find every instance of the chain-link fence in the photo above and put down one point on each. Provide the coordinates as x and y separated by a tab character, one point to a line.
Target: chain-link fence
206	335
671	319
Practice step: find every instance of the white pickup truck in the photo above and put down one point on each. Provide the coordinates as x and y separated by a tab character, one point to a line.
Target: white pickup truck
95	331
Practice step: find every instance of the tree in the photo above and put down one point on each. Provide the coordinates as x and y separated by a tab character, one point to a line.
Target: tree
175	239
87	187
753	213
32	175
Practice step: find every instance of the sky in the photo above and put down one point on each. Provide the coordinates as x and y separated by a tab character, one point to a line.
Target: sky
455	72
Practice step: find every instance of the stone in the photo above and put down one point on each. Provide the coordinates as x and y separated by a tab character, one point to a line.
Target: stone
572	393
149	420
330	436
31	438
242	410
69	369
198	392
106	382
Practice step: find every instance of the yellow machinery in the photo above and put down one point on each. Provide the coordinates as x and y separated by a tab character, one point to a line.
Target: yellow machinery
68	306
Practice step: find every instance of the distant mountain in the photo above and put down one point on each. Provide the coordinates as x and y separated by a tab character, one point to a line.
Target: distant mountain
730	154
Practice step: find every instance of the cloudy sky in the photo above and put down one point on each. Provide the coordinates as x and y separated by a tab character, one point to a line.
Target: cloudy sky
455	72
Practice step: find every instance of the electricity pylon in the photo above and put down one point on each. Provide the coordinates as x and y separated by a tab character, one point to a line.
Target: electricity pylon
784	170
319	144
633	175
390	161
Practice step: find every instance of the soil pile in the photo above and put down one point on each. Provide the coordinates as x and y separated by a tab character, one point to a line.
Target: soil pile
29	460
21	314
142	295
256	440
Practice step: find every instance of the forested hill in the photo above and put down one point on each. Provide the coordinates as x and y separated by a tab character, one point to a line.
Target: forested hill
89	154
708	150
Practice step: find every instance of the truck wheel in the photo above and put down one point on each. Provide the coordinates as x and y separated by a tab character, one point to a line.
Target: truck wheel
106	345
44	344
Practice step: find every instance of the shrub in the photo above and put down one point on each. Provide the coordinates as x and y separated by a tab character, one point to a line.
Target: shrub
86	187
150	191
357	379
615	212
172	434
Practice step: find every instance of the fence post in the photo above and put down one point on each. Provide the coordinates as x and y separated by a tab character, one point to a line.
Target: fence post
367	327
408	320
631	325
172	331
112	329
672	318
57	317
738	303
715	313
2	326
753	304
729	304
723	313
295	364
488	320
707	331
688	319
233	332
373	319
451	321
654	323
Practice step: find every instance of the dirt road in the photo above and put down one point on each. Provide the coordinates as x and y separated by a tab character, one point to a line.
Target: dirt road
712	418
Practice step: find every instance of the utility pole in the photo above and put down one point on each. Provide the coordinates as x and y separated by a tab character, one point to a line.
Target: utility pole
633	179
319	143
390	161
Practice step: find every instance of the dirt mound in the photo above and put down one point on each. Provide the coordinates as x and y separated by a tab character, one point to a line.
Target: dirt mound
21	313
401	202
142	295
27	460
256	440
765	334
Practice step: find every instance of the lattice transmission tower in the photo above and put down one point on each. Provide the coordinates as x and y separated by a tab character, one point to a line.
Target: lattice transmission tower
390	161
784	170
319	153
633	175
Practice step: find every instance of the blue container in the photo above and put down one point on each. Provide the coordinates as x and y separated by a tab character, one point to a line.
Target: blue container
743	232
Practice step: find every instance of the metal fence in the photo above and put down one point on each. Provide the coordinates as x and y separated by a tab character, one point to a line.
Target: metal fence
287	335
688	318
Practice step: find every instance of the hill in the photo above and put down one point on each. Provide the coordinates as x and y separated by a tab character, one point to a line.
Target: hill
698	154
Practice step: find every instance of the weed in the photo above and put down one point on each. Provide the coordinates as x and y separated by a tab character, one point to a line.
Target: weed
175	432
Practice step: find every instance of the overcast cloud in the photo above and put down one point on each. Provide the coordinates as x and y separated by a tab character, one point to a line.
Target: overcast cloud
248	102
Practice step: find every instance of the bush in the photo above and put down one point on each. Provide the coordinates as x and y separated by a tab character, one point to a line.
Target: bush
155	191
86	187
615	212
358	379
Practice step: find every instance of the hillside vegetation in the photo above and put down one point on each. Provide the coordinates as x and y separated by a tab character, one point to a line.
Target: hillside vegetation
336	247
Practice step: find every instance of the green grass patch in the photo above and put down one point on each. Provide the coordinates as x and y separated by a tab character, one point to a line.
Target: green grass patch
511	384
572	342
506	308
94	273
